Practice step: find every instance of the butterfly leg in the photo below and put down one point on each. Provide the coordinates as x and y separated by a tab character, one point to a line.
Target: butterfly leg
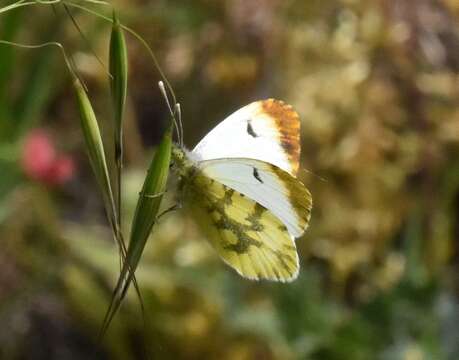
177	206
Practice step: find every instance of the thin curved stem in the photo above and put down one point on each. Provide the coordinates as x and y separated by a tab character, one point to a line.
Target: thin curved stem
67	60
138	37
22	3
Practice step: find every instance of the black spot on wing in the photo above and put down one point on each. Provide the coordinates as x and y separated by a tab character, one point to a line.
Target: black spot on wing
256	175
282	227
250	130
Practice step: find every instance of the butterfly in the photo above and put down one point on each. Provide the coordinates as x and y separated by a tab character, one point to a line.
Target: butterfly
239	184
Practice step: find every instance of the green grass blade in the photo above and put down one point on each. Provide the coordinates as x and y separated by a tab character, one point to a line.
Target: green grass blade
144	219
96	153
23	112
118	65
8	30
150	199
11	24
119	71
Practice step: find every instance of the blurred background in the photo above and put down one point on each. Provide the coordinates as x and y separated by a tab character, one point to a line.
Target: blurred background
376	85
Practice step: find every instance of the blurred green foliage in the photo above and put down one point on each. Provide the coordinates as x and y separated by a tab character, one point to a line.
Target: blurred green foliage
376	86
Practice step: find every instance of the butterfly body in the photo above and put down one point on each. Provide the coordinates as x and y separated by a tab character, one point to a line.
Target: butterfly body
250	207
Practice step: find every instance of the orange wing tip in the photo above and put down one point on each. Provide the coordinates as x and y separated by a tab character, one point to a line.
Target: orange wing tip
287	122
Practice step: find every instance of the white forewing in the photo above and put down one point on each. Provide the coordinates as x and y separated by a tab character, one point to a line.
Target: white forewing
285	196
266	130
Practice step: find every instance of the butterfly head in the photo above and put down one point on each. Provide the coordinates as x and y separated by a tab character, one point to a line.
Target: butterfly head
181	163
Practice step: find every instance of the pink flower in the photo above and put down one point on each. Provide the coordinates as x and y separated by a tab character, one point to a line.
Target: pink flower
40	161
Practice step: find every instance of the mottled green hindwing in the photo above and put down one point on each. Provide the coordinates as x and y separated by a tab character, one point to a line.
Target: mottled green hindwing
245	234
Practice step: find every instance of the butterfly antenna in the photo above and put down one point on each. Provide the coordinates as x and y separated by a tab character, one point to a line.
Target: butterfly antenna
162	88
178	110
315	175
